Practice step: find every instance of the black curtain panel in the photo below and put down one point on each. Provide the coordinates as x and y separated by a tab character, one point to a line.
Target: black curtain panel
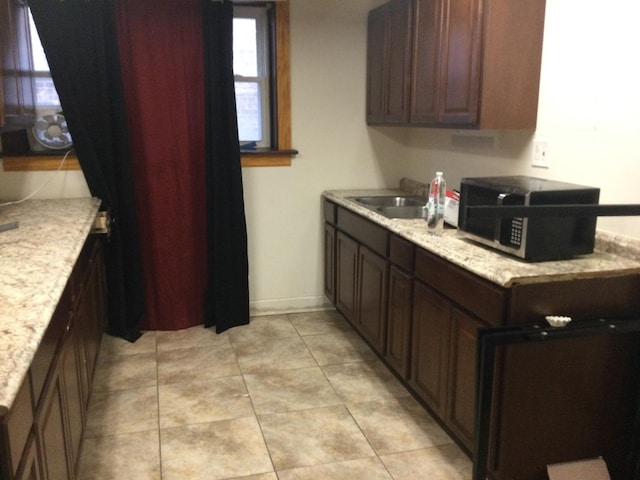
79	39
227	298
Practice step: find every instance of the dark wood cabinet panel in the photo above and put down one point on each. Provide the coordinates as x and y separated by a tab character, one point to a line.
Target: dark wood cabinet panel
30	469
329	262
365	231
398	66
372	297
346	270
484	299
71	369
51	431
376	60
17	425
460	62
462	375
400	308
389	63
576	399
425	88
430	346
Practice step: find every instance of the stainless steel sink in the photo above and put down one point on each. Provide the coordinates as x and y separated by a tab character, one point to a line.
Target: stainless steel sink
395	206
390	201
404	212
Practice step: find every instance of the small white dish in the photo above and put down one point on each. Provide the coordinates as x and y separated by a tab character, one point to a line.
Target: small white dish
557	321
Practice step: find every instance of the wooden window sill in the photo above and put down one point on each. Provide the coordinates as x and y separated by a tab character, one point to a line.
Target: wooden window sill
32	163
27	163
267	158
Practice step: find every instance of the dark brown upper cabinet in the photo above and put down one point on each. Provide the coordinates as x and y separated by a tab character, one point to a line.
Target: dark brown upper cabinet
389	63
455	63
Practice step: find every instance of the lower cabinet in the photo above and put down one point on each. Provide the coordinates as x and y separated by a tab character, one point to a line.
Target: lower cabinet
422	314
361	289
443	366
43	430
424	335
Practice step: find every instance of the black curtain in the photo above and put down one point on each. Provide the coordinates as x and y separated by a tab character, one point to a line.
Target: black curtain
79	39
227	299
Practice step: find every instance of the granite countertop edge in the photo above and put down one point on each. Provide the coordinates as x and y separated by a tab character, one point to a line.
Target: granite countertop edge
614	255
36	260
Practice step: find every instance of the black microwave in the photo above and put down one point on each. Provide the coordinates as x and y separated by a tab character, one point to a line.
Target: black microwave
535	238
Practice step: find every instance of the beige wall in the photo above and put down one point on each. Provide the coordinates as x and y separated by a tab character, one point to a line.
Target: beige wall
588	113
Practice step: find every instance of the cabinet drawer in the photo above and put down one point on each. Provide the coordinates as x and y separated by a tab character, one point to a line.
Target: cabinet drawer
329	210
483	299
401	252
364	231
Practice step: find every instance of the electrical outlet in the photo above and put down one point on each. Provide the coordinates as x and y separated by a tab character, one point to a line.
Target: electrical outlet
540	157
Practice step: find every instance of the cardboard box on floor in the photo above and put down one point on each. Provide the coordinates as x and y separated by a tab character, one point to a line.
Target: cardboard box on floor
593	469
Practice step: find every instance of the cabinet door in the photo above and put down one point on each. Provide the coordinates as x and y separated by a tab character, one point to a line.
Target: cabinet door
372	297
399	321
73	390
462	375
425	88
329	262
346	269
30	469
430	347
376	60
50	427
91	315
398	69
460	67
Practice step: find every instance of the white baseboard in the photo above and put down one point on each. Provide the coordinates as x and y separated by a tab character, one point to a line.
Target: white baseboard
288	305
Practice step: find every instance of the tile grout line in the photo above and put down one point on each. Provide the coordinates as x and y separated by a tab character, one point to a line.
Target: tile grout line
155	334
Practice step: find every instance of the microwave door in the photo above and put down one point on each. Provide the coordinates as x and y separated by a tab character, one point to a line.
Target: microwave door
499	222
509	230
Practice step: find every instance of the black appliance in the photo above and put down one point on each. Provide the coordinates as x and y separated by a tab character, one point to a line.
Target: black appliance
556	233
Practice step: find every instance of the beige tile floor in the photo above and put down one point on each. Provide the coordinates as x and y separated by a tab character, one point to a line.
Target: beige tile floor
289	397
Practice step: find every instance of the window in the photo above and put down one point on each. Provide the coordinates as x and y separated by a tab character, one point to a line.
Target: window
252	68
273	143
27	84
274	49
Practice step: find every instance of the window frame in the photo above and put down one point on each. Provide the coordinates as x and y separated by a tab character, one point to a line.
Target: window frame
265	63
276	156
281	154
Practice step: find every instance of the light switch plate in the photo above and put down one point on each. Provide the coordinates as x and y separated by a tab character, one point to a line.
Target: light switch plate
540	157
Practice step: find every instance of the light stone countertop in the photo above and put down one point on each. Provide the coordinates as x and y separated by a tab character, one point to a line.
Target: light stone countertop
36	260
613	256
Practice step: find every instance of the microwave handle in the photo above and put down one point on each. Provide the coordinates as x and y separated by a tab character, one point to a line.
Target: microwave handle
498	224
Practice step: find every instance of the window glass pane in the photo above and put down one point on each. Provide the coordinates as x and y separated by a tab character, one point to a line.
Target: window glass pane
39	58
45	91
249	105
245	47
46	94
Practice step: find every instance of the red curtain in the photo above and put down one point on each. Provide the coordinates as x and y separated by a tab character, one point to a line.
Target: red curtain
161	51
